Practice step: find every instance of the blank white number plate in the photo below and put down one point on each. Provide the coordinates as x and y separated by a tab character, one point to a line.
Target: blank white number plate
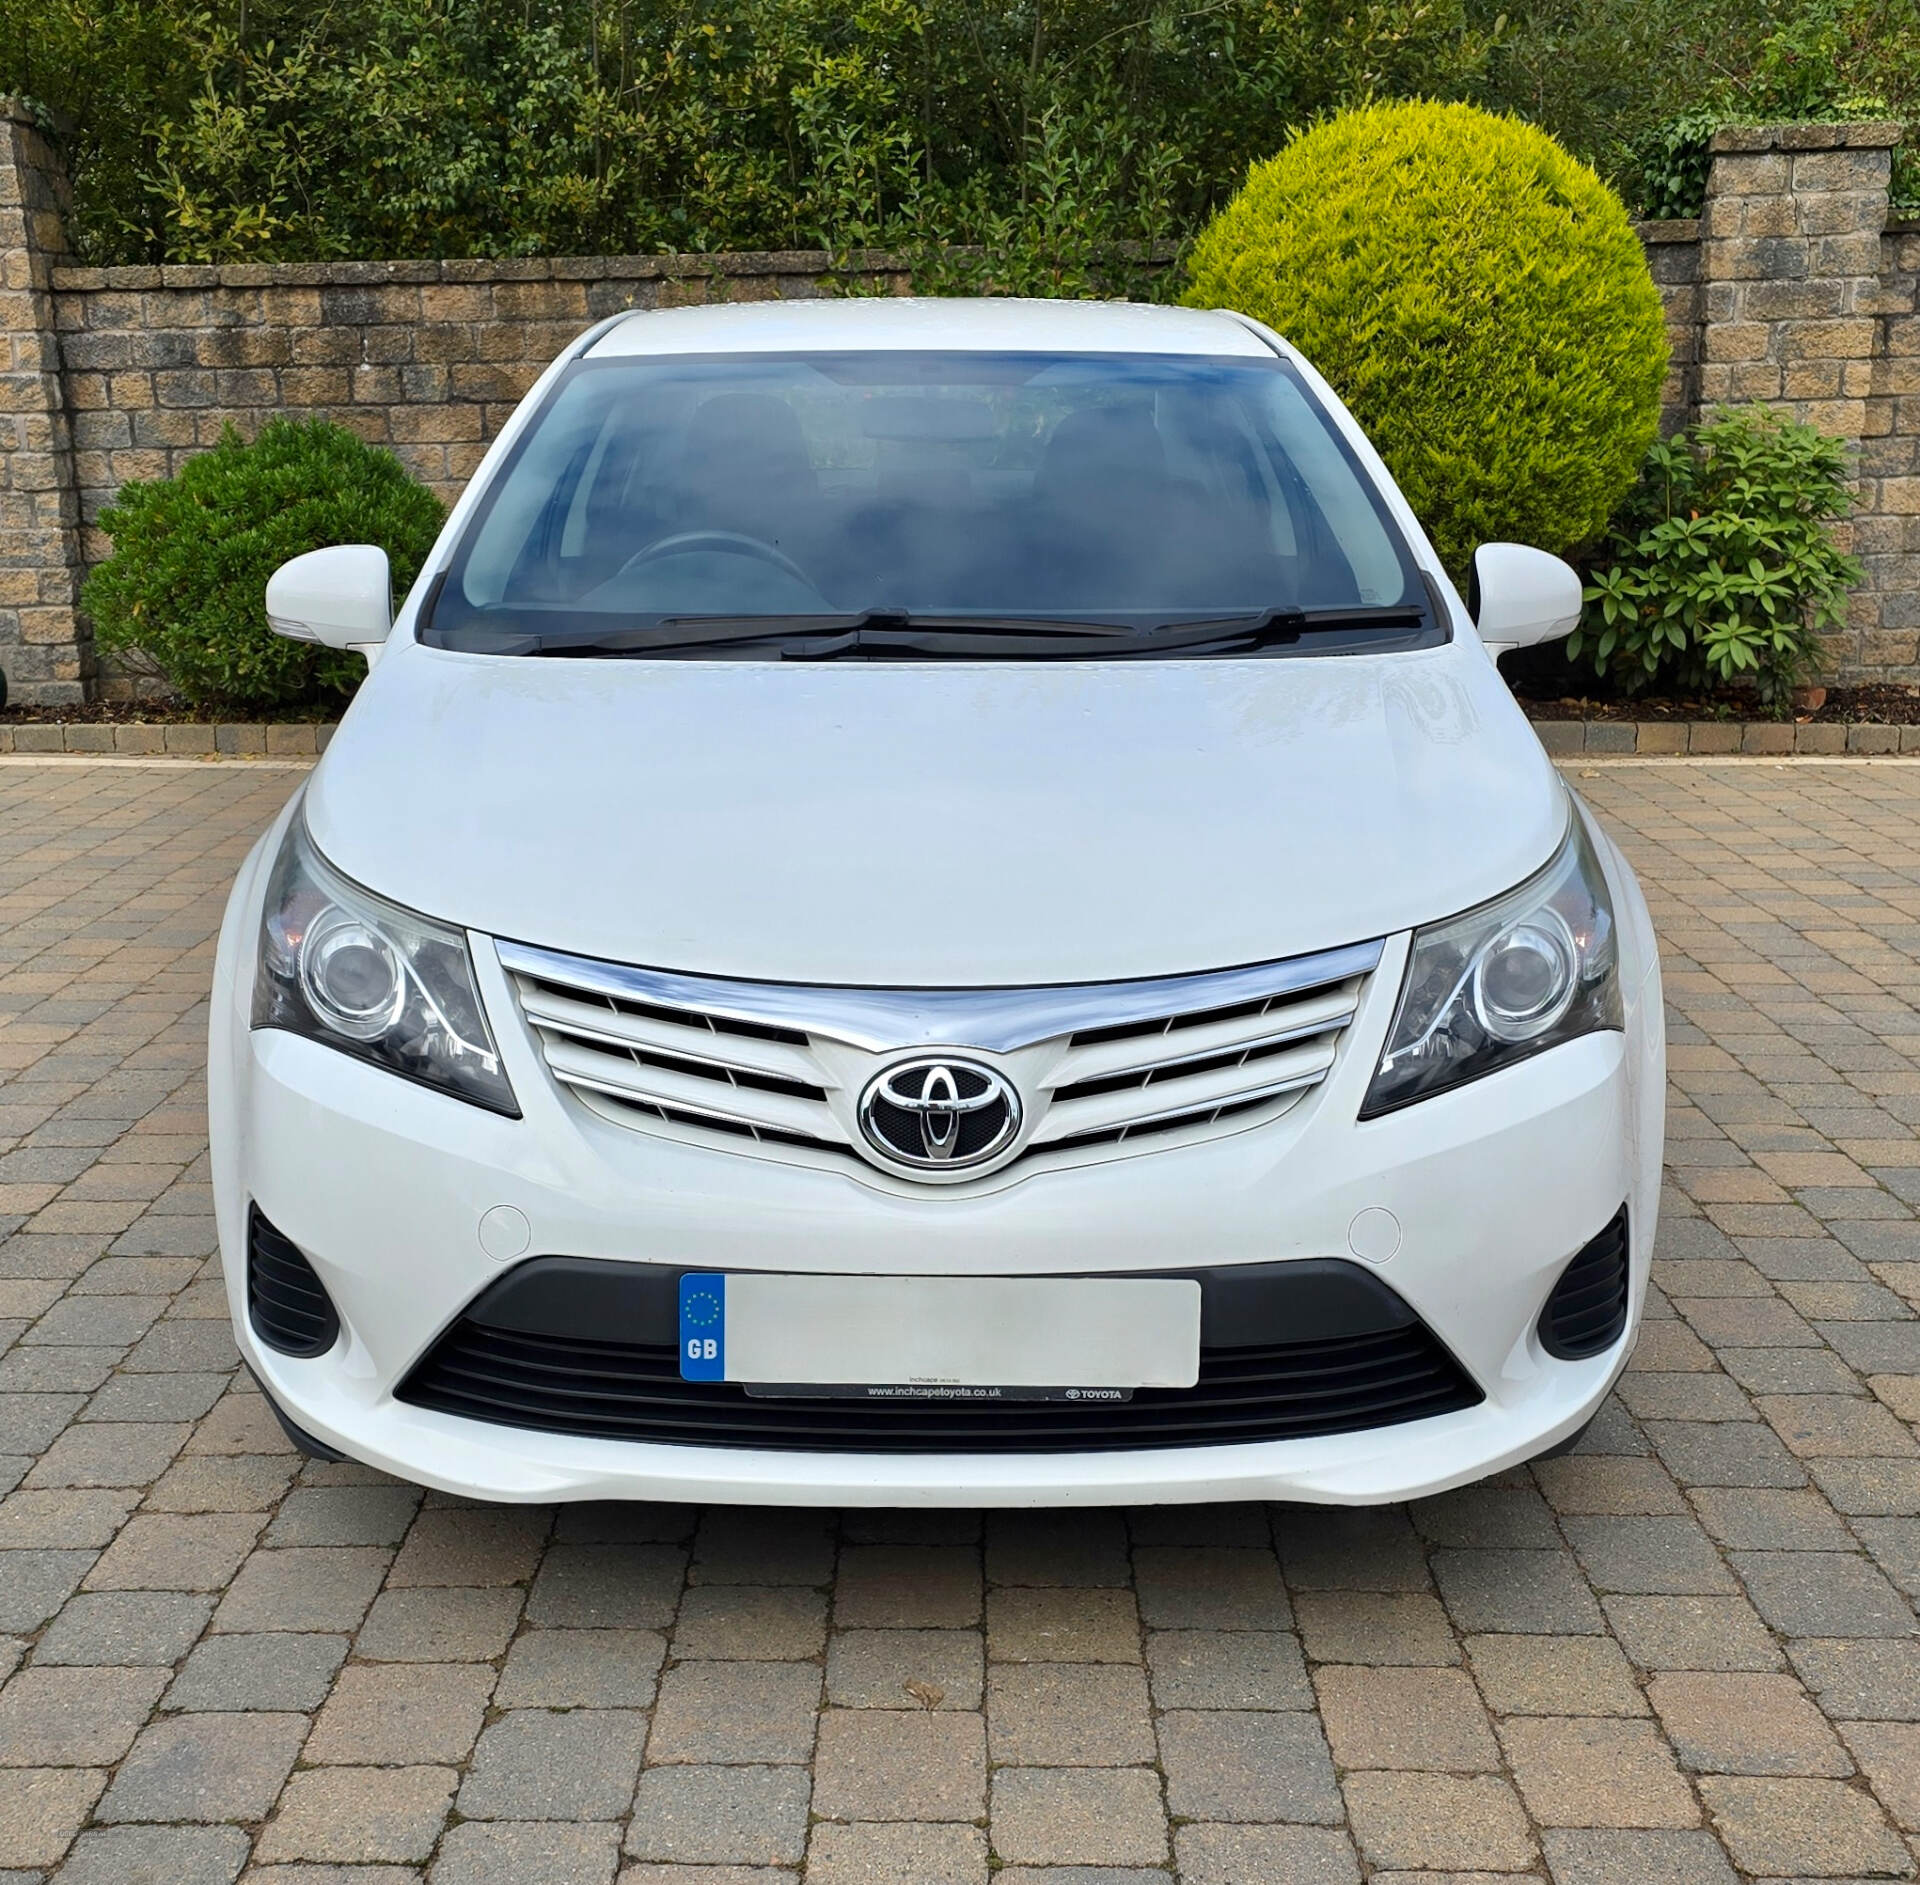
928	1333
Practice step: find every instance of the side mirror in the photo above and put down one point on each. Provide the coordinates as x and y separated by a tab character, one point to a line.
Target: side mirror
341	597
1522	596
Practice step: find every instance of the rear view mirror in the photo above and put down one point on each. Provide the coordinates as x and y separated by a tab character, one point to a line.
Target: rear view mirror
1522	596
943	420
340	597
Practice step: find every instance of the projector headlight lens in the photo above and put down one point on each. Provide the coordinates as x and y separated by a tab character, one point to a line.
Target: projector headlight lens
1526	972
363	975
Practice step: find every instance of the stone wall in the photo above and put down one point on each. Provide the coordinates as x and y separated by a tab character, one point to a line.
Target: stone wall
426	358
44	650
1808	304
1886	531
1792	289
1673	256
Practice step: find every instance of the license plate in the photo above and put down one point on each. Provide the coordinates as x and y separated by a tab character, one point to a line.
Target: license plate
941	1337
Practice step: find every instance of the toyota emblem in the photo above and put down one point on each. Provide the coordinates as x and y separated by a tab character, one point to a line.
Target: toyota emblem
939	1115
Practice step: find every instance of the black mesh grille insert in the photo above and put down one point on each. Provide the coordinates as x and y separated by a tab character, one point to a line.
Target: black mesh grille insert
633	1391
1587	1311
287	1304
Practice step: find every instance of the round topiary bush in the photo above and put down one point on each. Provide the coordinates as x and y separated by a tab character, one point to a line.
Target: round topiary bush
1478	298
185	588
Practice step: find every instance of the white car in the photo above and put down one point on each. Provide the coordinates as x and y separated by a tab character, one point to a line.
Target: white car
934	903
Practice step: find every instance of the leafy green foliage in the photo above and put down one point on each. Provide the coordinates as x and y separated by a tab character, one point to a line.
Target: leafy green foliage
1723	568
1601	75
1058	134
1476	296
184	591
1674	159
1829	60
277	130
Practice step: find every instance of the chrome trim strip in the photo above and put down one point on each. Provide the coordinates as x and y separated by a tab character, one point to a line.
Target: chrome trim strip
995	1020
1116	1132
1062	1083
722	1053
639	1099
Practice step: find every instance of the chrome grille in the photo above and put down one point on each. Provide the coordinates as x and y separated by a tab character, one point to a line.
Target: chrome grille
681	1065
1195	1068
1106	1069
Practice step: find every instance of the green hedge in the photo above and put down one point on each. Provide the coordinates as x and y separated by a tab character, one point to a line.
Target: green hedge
1826	60
277	130
1477	296
184	591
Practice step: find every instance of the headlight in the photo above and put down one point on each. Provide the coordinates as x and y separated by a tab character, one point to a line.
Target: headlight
343	966
1516	976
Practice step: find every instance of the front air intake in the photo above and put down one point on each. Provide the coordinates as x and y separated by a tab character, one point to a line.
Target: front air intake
1288	1351
287	1303
1587	1311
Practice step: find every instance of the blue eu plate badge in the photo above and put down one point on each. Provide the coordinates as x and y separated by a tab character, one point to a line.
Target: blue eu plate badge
703	1328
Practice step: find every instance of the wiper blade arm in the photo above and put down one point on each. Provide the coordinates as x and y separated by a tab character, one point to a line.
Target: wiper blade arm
804	637
688	631
882	632
1277	627
886	631
1001	636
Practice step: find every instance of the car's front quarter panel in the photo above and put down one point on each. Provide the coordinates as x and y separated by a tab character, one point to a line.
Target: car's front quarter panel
230	1059
1644	1004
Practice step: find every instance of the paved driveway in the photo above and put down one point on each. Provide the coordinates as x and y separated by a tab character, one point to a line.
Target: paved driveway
1690	1645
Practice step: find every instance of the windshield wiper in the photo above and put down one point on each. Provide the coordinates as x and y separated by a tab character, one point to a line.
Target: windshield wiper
822	637
1225	634
879	633
882	632
1202	635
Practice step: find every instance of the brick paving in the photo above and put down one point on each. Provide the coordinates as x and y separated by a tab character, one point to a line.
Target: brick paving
1687	1653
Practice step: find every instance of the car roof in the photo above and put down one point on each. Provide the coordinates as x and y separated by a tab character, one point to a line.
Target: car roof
985	324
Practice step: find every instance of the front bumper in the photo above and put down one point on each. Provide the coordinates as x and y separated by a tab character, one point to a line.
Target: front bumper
384	1185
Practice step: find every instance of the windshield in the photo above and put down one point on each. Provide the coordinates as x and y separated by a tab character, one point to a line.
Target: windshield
777	492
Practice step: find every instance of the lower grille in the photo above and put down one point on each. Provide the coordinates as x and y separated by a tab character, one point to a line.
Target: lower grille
287	1303
633	1391
1587	1312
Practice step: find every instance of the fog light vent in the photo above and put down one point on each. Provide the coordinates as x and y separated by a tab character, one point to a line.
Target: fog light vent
1587	1311
287	1303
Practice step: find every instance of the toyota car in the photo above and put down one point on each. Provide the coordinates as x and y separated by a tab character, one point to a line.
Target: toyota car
934	903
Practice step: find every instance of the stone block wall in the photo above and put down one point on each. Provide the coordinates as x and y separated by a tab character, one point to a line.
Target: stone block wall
1792	289
425	358
44	650
1886	530
1808	304
1673	256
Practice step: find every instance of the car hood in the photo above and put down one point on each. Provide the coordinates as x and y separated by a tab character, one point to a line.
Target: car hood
937	826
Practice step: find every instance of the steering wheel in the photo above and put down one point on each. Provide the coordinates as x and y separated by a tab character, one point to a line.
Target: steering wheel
727	542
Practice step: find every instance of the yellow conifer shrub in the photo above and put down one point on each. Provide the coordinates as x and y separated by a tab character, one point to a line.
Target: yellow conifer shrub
1475	294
